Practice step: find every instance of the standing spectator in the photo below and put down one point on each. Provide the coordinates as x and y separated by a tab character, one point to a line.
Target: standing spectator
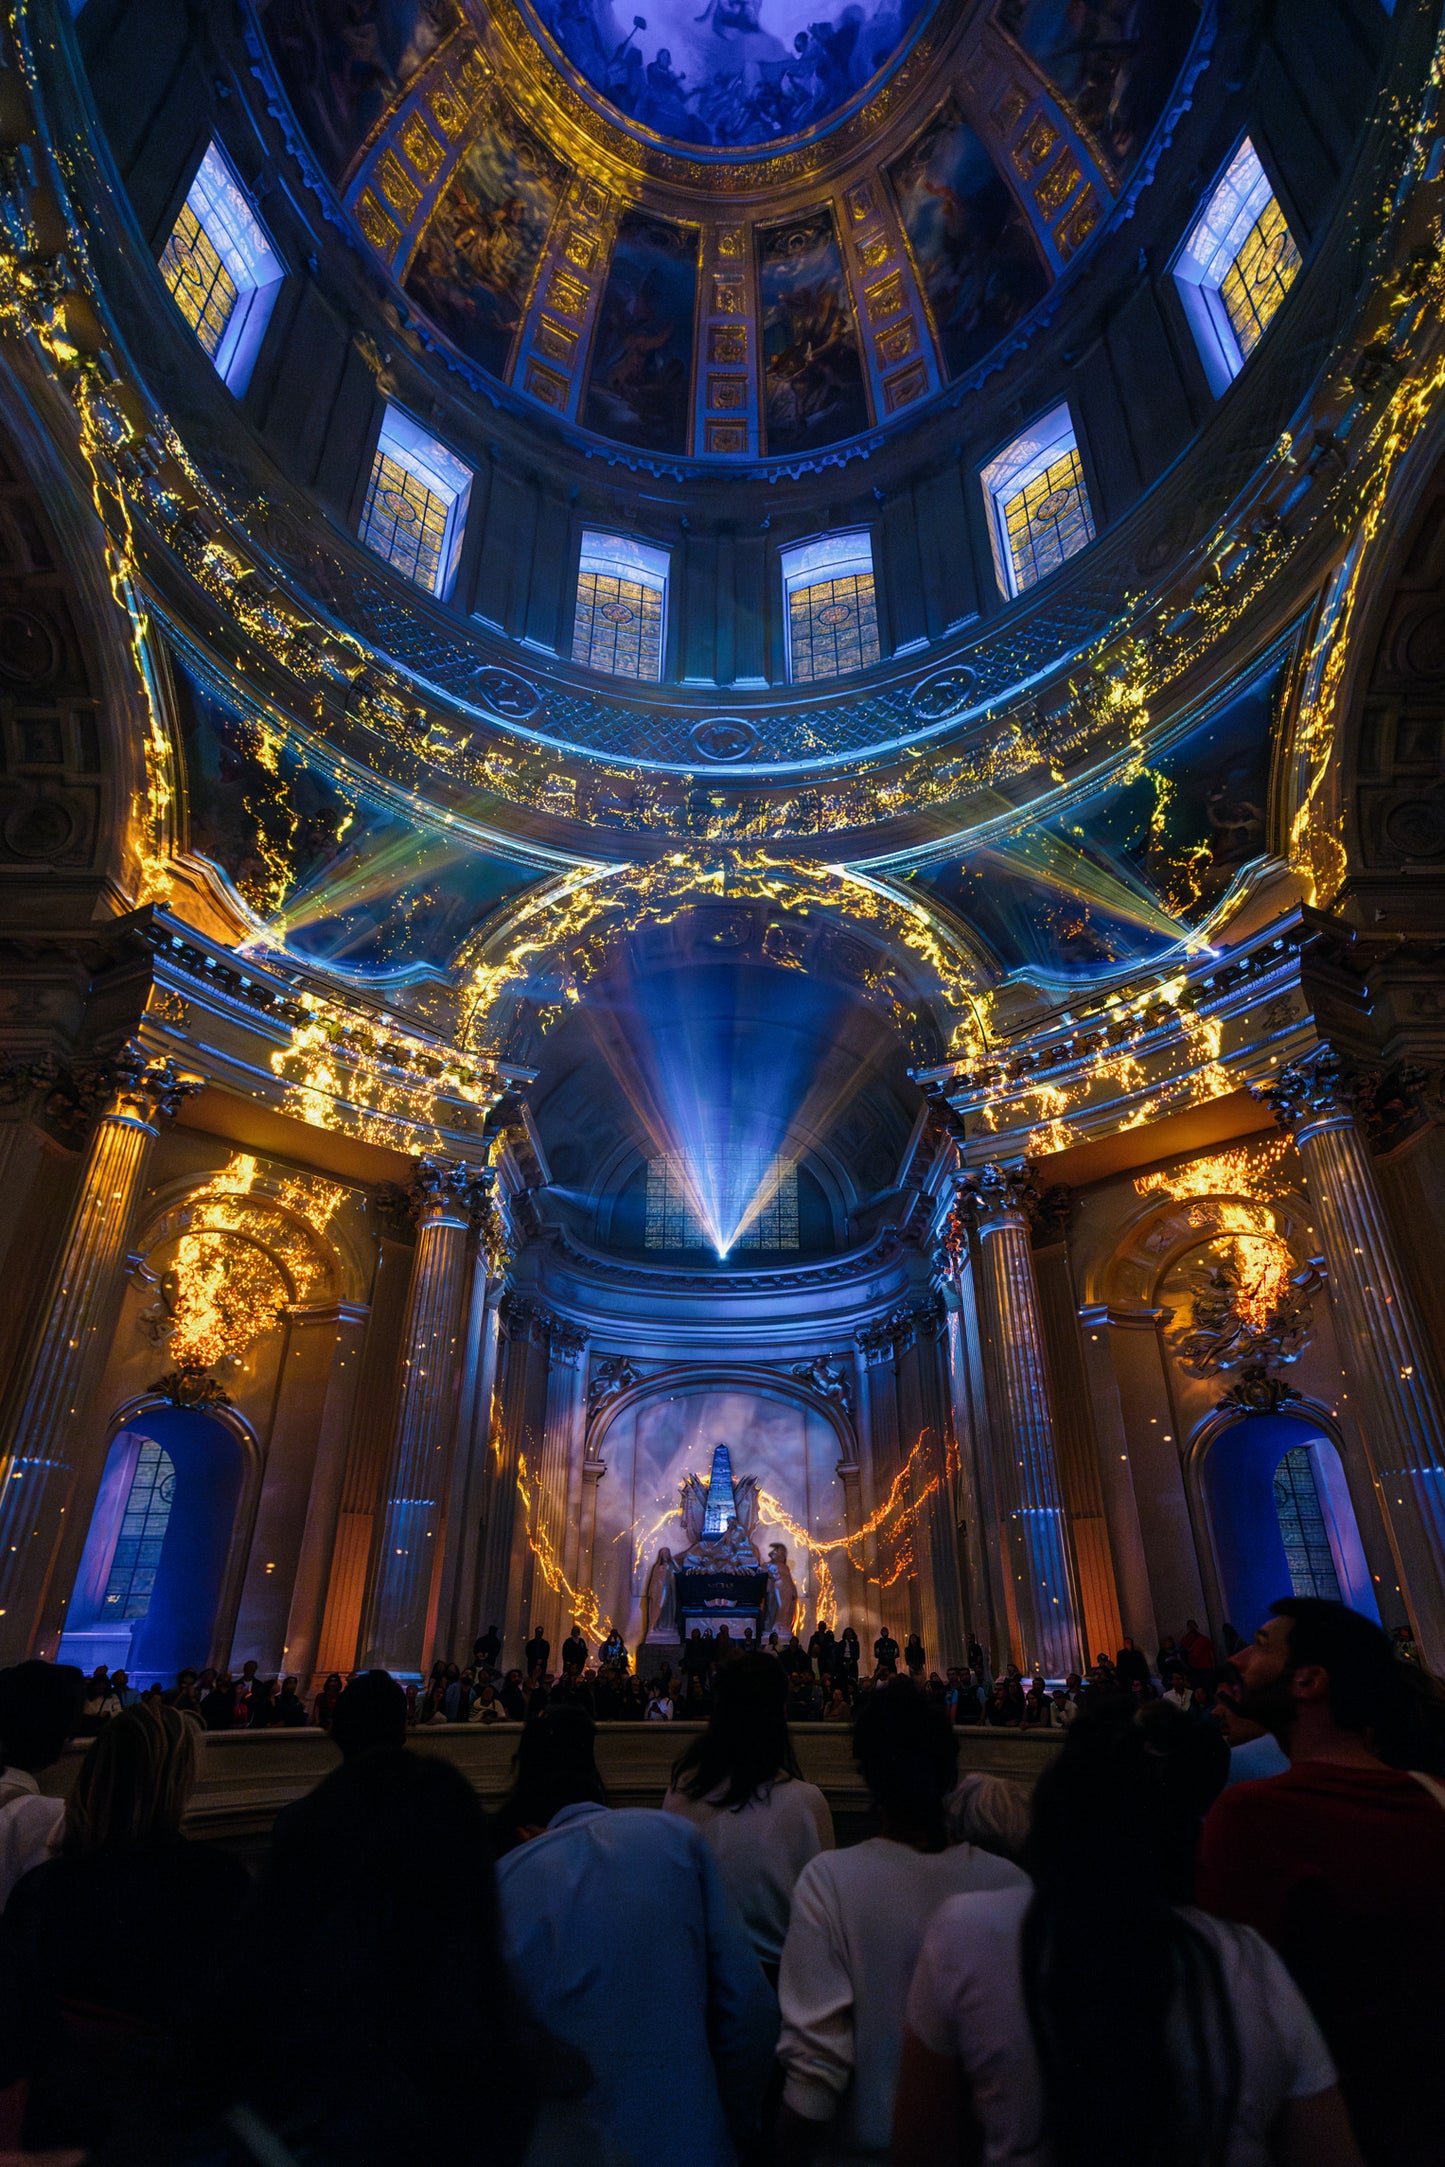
740	1783
823	1650
859	1917
123	1690
977	1662
849	1654
349	1946
1021	1998
264	1715
608	1913
537	1654
1340	1863
218	1707
1177	1692
1197	1649
1131	1665
98	1706
914	1657
110	1952
574	1650
487	1647
1169	1657
613	1652
326	1700
290	1708
40	1707
885	1651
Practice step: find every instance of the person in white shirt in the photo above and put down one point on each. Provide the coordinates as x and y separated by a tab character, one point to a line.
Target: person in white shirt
40	1706
741	1785
1022	1998
859	1917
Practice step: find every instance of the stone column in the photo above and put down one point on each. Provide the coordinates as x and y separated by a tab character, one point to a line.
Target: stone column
924	1423
878	1436
979	1546
1043	1584
56	1375
516	1437
446	1198
1397	1403
553	1540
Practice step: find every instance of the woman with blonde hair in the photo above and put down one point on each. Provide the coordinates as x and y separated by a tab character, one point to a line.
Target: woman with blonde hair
110	1951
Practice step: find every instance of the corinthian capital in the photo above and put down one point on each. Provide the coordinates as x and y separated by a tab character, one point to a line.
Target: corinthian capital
1313	1089
149	1088
449	1185
996	1195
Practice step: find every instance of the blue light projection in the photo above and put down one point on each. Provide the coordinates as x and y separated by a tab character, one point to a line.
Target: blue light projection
1133	872
733	73
322	869
724	1072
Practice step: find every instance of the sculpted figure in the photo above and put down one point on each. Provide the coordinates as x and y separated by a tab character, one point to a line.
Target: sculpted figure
659	1602
780	1611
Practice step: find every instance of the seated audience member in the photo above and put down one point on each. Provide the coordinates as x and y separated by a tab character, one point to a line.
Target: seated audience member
740	1783
838	1709
373	1934
609	1915
991	1813
324	1706
488	1708
1340	1863
110	1951
1022	1998
40	1707
858	1919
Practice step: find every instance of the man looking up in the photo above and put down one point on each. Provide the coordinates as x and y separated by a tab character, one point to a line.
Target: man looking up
1340	1862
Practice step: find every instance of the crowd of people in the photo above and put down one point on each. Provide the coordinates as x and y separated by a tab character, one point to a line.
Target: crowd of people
1148	1962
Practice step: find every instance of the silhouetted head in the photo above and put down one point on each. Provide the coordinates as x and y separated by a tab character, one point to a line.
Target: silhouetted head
370	1715
40	1706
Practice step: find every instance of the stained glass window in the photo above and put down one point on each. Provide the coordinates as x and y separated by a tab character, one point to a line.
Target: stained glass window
621	607
832	607
1039	502
415	503
1236	266
220	269
143	1527
739	1186
1302	1527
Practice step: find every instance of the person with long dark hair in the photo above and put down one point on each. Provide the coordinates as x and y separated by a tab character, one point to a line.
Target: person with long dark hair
109	1950
740	1783
859	1916
1021	1999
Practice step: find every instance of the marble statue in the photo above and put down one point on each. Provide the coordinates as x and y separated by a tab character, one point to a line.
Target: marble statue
659	1602
780	1604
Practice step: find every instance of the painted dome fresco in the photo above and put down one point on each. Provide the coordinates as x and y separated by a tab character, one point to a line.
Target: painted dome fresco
750	229
738	74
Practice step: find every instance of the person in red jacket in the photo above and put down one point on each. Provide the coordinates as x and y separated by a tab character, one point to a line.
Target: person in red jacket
1340	1863
1197	1650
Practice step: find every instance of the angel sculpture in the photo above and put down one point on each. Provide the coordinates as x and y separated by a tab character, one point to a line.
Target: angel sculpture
694	1508
746	1504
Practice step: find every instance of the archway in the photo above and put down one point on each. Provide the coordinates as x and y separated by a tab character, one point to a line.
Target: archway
148	1595
1280	1517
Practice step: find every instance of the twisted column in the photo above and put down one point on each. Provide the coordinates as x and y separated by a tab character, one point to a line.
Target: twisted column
447	1199
58	1372
1396	1387
1038	1551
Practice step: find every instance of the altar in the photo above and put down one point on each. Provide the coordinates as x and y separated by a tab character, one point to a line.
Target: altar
719	1579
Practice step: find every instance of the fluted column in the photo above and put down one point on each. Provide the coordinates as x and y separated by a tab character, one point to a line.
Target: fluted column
516	1435
924	1422
56	1375
1396	1393
562	1430
1043	1584
447	1199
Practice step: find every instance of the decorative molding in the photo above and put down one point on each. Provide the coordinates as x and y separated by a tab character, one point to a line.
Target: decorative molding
191	1387
1310	1092
613	1374
1256	1392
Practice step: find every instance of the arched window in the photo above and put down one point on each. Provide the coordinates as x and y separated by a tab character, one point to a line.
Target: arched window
142	1532
1236	267
832	601
621	621
221	270
751	1192
1302	1527
416	503
1038	502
